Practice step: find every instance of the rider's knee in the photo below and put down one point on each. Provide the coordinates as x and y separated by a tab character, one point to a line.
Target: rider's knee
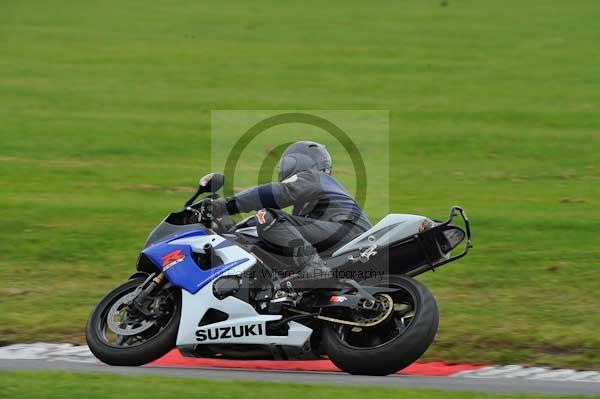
265	218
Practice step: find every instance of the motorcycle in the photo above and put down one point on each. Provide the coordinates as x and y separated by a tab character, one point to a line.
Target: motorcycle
212	288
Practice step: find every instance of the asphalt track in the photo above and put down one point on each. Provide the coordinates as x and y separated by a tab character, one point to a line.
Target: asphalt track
488	384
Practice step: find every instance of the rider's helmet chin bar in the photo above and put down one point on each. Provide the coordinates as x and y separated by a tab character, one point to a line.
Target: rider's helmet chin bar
429	243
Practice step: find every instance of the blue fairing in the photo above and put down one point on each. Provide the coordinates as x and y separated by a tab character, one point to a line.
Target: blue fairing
183	271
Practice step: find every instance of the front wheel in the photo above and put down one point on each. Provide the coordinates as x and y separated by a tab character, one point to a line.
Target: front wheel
118	335
394	343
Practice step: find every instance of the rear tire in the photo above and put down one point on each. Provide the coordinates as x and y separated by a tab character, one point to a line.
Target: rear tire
153	348
400	351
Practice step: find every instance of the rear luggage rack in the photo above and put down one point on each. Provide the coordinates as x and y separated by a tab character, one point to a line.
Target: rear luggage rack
430	246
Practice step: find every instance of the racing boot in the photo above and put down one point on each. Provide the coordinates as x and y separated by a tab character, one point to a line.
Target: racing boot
313	274
314	268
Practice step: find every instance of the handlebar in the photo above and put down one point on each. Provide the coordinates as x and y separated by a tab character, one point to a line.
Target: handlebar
202	213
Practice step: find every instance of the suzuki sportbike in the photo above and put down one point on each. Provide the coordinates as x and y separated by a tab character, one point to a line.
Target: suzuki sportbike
214	289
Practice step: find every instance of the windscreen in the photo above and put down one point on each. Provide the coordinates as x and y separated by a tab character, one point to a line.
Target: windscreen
166	229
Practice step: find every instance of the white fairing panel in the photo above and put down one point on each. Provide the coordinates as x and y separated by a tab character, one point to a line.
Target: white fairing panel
249	231
392	228
244	325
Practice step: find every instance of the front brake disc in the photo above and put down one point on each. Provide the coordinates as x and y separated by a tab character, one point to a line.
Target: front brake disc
118	318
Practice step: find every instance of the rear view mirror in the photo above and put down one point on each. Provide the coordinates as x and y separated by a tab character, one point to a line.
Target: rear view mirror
211	183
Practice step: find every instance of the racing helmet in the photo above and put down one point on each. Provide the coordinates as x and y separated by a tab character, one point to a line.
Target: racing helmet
304	155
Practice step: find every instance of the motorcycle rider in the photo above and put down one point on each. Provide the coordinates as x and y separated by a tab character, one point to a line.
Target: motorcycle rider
324	214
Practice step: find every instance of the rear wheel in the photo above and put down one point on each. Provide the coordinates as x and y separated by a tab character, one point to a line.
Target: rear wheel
118	335
394	343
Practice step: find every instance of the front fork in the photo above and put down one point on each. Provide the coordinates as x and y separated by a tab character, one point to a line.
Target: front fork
146	290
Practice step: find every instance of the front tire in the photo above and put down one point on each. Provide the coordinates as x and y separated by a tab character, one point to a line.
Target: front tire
150	345
368	352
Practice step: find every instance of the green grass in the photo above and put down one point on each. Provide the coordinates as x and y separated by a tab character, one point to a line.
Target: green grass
105	116
67	385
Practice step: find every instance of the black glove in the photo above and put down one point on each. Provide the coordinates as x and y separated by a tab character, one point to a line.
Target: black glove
218	208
